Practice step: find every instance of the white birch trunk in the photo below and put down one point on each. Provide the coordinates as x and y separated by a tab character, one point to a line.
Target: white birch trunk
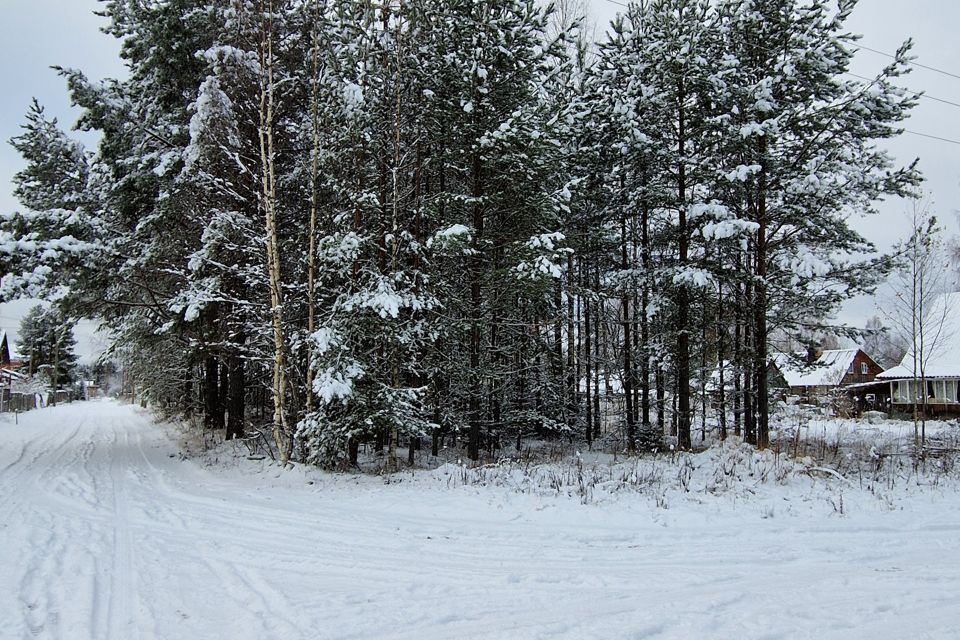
281	434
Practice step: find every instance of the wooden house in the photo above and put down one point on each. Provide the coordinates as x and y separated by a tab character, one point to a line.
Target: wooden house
821	373
929	373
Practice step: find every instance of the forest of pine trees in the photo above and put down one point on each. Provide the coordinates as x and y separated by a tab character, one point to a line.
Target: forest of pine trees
427	223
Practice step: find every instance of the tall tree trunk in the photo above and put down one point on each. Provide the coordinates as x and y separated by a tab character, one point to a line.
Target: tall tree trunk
521	363
281	433
661	400
188	404
637	357
476	309
683	298
314	203
588	369
416	377
557	378
644	352
437	430
703	365
631	433
721	364
212	409
394	223
571	381
597	352
439	380
495	425
236	399
748	359
760	310
737	386
55	375
224	387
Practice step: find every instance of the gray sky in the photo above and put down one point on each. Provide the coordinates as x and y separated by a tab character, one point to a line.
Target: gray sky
36	34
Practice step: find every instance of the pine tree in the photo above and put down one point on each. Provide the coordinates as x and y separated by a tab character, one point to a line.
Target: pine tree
52	243
46	338
802	155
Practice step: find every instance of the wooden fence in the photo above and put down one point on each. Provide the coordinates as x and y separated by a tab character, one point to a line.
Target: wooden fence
20	402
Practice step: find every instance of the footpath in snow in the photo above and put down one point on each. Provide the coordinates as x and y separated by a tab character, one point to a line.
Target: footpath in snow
106	532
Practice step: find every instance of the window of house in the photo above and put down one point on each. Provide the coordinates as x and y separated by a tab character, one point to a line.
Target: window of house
902	391
948	390
909	391
864	369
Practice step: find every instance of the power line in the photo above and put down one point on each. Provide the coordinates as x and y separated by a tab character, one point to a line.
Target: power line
921	93
890	55
932	137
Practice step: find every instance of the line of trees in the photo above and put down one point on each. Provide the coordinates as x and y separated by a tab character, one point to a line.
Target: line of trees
405	221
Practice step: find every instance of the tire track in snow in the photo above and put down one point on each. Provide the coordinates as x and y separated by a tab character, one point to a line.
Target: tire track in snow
37	591
120	608
126	533
40	614
17	459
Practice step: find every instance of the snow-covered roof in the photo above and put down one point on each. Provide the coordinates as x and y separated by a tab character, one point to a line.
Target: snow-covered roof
938	354
7	344
10	374
827	371
11	348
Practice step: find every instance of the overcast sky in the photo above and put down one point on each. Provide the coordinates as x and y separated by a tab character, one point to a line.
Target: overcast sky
37	34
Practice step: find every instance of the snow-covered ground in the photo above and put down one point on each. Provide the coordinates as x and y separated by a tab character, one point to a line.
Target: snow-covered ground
107	532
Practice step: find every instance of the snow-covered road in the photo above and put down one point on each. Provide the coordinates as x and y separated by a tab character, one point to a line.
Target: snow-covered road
106	533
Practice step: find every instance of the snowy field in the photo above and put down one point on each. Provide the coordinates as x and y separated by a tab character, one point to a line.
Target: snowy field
107	532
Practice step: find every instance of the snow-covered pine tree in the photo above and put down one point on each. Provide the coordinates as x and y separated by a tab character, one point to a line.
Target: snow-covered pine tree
146	232
801	150
659	69
454	131
49	247
623	119
219	191
372	323
508	141
46	339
